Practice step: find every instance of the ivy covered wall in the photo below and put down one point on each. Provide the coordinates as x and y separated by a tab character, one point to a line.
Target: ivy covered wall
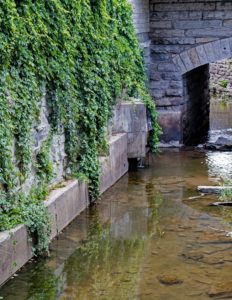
63	65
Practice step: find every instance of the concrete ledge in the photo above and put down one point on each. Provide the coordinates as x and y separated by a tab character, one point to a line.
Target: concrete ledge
15	251
131	118
63	204
66	202
114	166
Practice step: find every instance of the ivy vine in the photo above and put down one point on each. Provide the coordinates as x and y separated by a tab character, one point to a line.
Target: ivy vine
86	55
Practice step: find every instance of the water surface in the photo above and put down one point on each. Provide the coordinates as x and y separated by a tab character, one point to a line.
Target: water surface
147	225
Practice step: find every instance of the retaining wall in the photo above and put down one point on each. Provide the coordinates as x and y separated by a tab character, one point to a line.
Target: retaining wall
221	78
66	202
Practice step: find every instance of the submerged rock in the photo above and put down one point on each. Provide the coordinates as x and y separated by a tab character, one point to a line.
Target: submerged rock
194	255
223	141
221	290
169	279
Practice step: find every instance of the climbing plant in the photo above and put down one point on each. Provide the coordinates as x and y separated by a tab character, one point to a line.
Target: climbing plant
86	55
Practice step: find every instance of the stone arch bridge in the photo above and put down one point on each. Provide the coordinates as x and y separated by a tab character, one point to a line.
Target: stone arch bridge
180	38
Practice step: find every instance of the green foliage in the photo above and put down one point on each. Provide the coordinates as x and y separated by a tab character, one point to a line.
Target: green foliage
43	165
30	211
223	83
226	194
86	55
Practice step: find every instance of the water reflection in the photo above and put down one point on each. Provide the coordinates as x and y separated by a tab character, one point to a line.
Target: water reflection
220	115
145	226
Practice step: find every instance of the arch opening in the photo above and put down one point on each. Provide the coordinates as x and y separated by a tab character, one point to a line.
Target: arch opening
194	66
196	109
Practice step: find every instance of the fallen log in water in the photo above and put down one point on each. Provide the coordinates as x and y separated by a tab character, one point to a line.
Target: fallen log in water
213	189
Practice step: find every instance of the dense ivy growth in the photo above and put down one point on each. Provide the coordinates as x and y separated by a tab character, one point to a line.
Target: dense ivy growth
86	55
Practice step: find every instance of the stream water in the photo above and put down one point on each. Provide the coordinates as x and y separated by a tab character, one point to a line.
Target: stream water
150	229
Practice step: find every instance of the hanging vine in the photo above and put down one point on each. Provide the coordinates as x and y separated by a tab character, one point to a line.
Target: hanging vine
86	54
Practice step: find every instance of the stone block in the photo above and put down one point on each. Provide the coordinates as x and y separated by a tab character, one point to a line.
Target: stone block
227	23
170	122
197	24
178	92
115	165
137	142
131	118
161	24
179	63
187	61
202	54
70	201
193	6
15	251
169	101
51	206
192	53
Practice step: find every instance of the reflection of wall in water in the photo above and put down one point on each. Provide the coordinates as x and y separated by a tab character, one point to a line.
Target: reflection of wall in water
220	115
133	224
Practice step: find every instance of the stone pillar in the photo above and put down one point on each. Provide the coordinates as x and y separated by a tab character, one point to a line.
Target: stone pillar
141	18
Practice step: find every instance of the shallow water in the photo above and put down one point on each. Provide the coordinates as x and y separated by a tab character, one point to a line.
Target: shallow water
220	119
147	225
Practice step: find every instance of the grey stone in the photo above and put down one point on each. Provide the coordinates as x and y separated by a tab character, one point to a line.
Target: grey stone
115	165
15	251
170	122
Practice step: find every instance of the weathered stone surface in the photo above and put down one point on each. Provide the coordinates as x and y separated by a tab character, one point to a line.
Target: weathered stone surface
219	72
186	35
137	142
15	251
223	141
131	118
115	165
141	18
71	198
170	122
69	201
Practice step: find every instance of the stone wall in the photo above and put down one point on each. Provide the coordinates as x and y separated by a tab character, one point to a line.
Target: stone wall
184	35
127	117
58	157
67	201
221	79
141	18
